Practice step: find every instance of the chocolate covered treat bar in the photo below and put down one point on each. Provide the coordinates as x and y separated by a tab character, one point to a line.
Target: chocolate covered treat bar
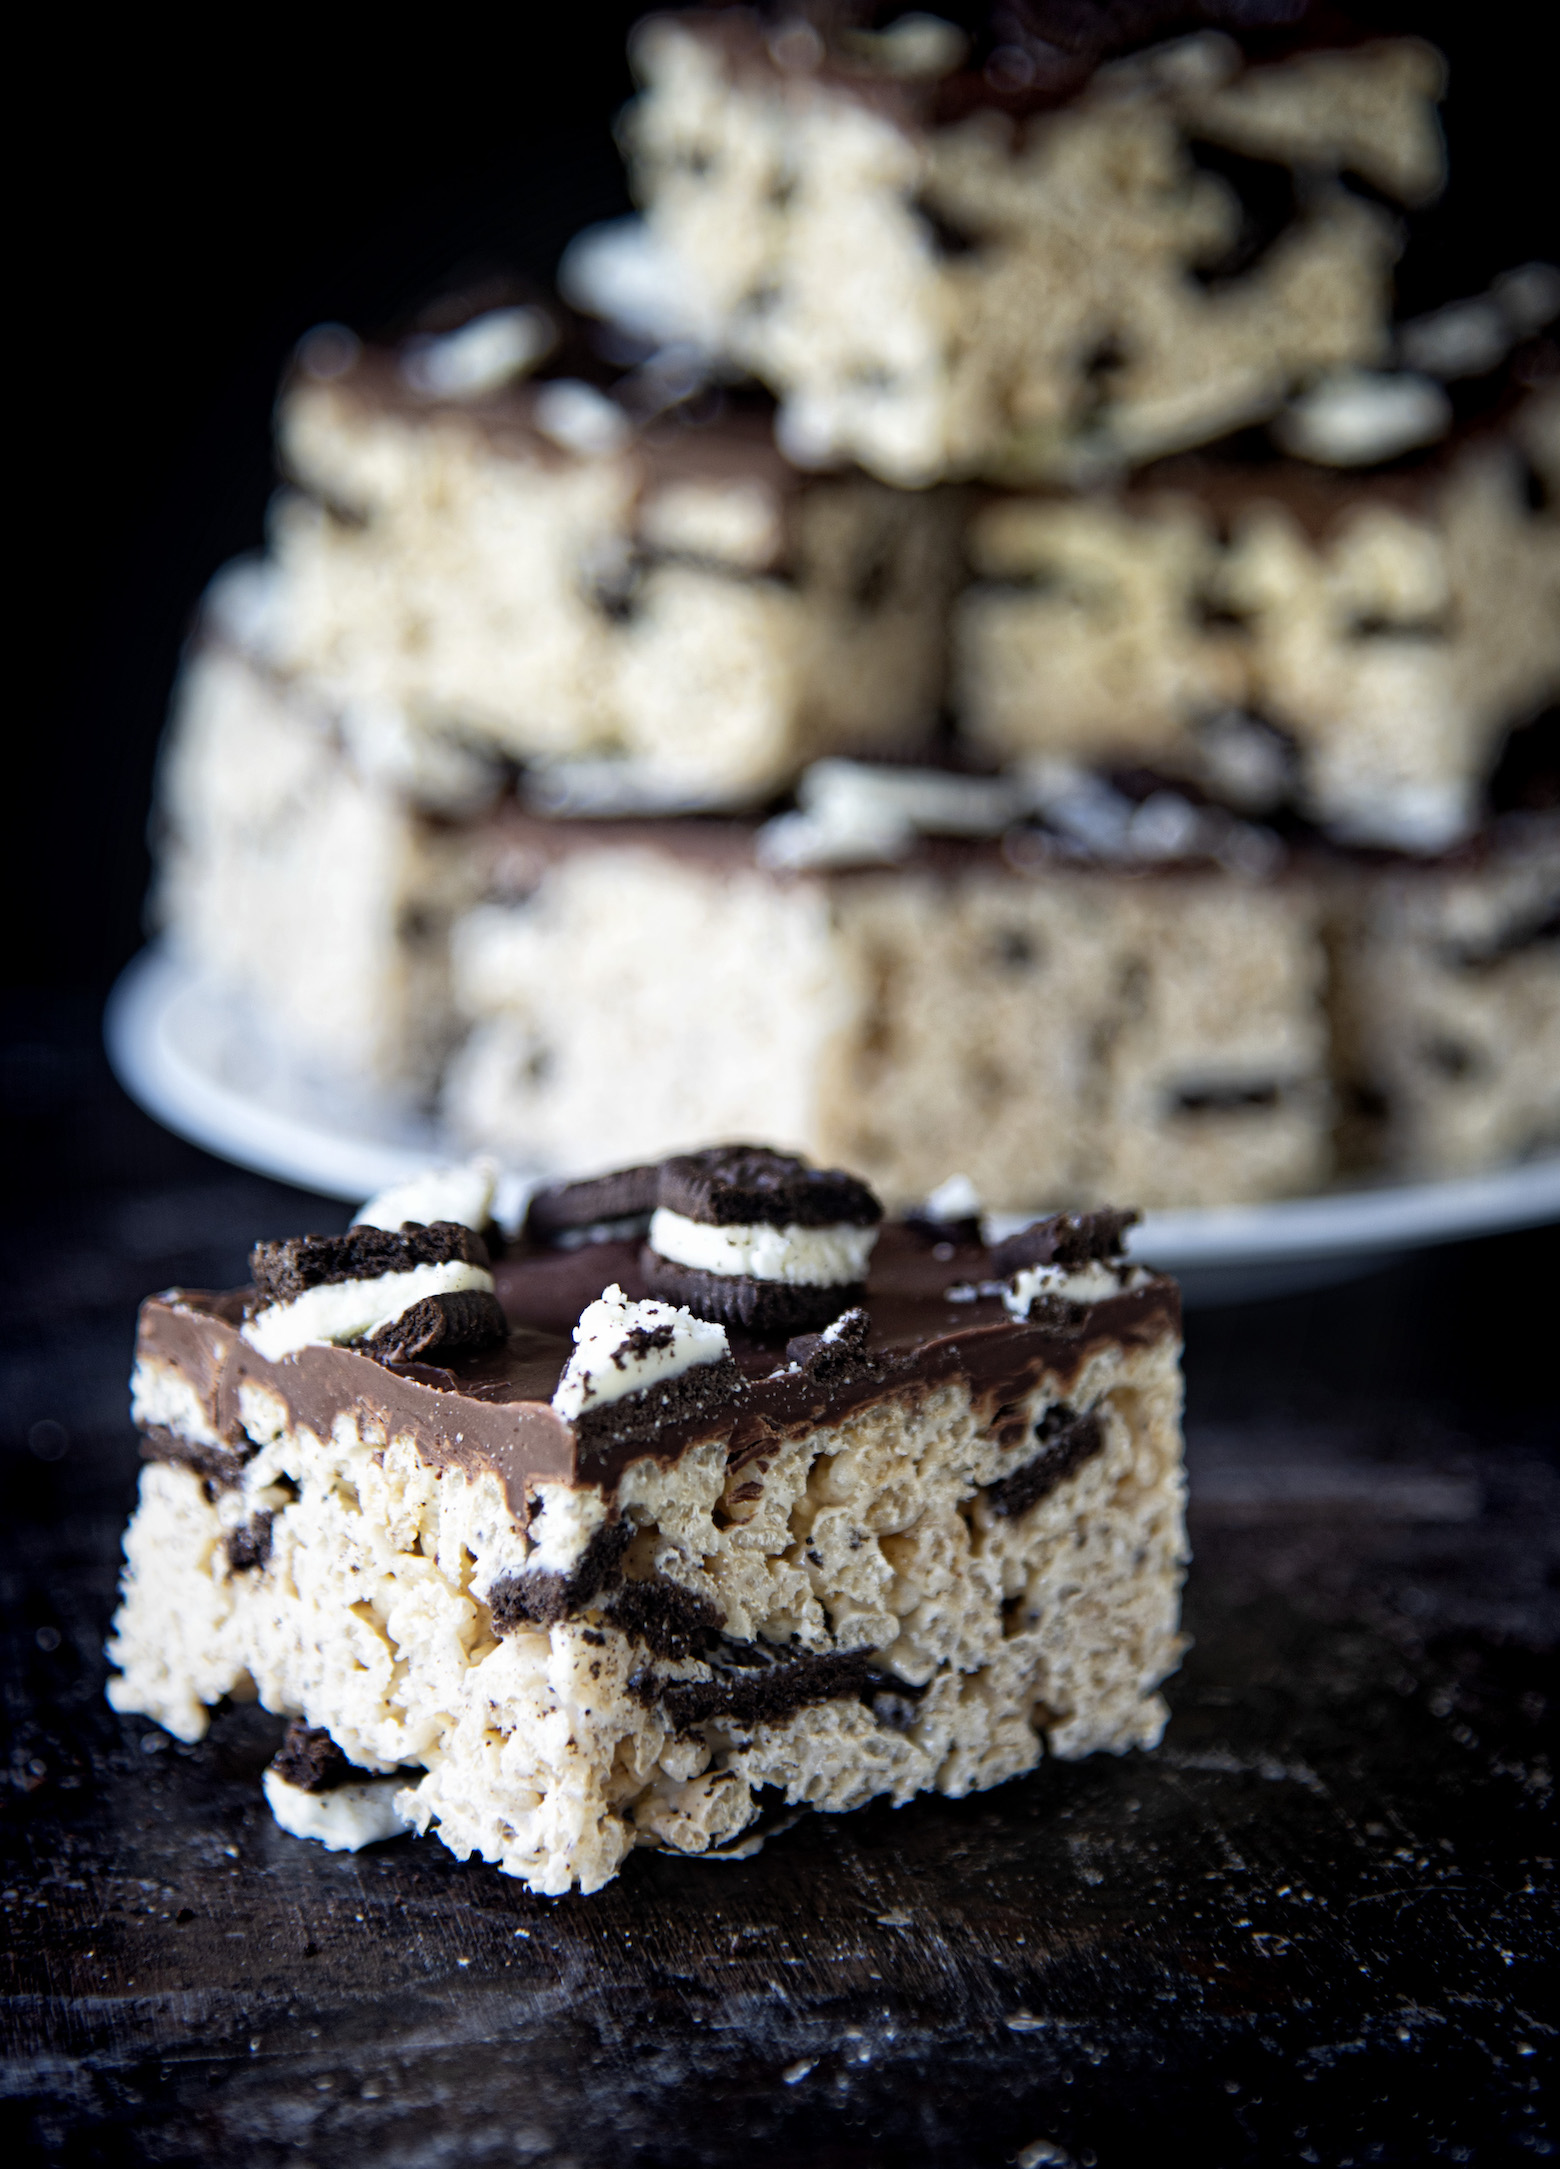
610	1570
1449	1002
1031	258
663	599
1359	643
308	861
1059	1030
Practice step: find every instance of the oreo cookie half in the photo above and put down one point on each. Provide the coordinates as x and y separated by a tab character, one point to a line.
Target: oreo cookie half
750	1186
608	1208
767	1308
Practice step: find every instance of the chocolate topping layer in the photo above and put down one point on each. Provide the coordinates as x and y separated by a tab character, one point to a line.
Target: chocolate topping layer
748	1185
773	1308
282	1271
1069	1240
629	1194
440	1328
494	1411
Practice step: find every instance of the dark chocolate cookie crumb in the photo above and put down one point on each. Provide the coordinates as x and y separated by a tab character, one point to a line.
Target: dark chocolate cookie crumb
460	1323
769	1308
1067	1440
1069	1240
250	1546
541	1596
756	1692
310	1759
748	1185
838	1354
222	1465
668	1619
628	1194
285	1270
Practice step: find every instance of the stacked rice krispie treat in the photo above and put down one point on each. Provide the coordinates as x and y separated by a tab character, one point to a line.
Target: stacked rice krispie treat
971	601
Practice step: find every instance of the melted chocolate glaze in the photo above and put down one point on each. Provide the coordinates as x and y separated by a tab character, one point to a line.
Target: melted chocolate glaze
493	1411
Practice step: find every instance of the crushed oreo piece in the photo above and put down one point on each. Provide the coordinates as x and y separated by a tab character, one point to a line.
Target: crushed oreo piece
459	1323
250	1546
1067	1440
748	1185
839	1353
541	1596
668	1619
310	1759
607	1201
766	1308
703	1390
755	1692
283	1271
1069	1240
222	1466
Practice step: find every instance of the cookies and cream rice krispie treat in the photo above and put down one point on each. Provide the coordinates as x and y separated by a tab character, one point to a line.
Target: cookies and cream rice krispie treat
713	1491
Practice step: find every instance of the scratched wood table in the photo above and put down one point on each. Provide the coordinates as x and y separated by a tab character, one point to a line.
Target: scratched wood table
1316	1926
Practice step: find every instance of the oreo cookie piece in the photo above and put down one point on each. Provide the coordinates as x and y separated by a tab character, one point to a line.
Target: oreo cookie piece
1068	1240
283	1271
608	1208
751	1186
310	1759
766	1308
439	1328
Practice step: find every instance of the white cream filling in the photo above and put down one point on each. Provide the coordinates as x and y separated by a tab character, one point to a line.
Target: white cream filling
344	1820
345	1310
830	1257
1356	417
604	1368
463	1194
1092	1283
955	1199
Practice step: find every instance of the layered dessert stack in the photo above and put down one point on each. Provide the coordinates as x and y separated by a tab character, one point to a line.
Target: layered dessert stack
971	603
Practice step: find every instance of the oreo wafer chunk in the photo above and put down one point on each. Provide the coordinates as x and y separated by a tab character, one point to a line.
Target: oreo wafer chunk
1069	1240
760	1240
620	1204
461	1322
749	1186
283	1271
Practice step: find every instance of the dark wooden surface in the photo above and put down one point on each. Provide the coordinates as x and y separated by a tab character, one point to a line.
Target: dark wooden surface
1317	1926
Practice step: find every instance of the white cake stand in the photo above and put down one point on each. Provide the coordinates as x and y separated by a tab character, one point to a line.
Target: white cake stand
193	1058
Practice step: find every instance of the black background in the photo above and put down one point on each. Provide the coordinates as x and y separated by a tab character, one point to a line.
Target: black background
198	199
